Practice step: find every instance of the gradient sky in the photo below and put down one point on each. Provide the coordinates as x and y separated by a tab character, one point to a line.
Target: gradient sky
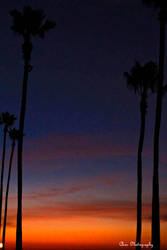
82	124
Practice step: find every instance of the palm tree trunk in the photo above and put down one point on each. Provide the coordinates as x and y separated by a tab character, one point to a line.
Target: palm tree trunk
20	150
2	173
7	192
155	194
143	107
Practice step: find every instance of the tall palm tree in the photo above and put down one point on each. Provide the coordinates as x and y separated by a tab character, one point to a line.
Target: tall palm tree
27	24
14	136
141	79
161	5
7	120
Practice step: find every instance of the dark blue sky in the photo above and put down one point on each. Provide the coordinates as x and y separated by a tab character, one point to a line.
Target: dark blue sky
77	84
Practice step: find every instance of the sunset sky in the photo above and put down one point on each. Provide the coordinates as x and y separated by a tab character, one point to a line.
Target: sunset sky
82	125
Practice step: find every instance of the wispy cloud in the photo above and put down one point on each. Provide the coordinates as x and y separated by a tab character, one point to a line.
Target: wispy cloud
119	210
54	192
115	209
55	146
46	151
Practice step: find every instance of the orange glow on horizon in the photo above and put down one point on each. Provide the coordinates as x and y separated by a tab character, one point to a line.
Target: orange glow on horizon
84	231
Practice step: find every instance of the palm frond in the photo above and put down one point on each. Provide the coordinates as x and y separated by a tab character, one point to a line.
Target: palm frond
151	75
31	21
48	25
14	134
7	119
141	77
18	25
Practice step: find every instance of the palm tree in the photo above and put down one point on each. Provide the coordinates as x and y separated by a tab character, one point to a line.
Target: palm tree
7	120
27	24
141	79
14	135
161	5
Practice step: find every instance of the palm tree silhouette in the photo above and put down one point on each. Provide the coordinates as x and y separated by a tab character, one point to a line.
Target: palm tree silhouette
161	5
14	136
141	79
7	120
26	24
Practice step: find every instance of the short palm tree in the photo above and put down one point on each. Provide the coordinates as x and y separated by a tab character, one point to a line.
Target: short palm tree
141	79
7	120
14	136
161	5
29	23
